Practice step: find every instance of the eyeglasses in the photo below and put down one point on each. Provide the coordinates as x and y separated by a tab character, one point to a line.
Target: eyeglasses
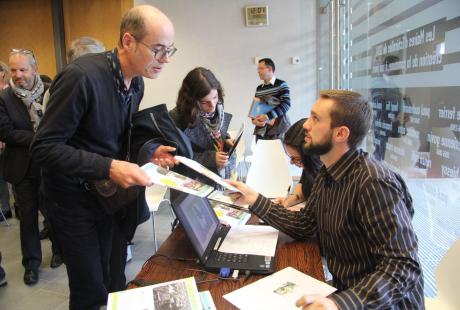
159	52
24	51
295	160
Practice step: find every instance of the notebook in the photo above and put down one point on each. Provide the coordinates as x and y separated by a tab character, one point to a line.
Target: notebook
206	234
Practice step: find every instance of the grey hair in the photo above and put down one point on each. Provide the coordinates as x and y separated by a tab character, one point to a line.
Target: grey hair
4	68
82	46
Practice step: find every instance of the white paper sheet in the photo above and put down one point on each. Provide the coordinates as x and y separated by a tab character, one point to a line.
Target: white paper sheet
251	239
278	291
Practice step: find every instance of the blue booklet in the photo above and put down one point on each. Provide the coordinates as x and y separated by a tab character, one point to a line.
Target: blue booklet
259	107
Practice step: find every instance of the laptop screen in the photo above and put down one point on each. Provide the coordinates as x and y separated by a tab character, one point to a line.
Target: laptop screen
197	217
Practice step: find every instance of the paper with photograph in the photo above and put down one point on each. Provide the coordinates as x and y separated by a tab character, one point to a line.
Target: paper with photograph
278	291
230	216
206	172
162	176
179	294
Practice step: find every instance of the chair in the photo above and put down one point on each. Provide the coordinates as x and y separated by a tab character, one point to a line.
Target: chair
269	172
447	275
4	218
154	196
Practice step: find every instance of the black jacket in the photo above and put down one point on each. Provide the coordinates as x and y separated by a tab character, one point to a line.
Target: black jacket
16	131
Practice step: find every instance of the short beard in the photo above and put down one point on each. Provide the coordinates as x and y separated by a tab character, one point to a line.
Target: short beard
318	149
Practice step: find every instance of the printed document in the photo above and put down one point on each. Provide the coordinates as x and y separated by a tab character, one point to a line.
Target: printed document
278	291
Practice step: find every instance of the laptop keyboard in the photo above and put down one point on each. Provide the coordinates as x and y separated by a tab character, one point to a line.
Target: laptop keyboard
231	257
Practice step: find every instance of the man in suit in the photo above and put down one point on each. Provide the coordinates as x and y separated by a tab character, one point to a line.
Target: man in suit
20	114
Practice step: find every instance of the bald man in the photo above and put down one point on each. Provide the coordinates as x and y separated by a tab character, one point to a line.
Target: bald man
83	136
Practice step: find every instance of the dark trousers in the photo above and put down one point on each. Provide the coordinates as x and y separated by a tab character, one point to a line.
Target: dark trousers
84	233
4	196
29	199
118	259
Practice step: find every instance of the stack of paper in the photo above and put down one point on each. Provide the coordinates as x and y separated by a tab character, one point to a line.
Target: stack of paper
278	291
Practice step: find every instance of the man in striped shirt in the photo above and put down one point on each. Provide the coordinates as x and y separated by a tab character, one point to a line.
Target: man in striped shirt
359	209
275	92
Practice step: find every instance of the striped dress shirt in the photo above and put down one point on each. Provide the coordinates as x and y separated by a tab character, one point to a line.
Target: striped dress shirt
361	213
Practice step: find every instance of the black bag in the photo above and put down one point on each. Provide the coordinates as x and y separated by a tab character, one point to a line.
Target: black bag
111	196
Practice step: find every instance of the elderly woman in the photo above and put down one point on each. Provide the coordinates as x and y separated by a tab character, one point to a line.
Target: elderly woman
199	112
293	146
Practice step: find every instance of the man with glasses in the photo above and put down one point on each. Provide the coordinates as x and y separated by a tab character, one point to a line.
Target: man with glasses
83	137
21	111
274	92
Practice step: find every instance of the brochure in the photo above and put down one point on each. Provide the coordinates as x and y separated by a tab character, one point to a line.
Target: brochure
237	140
206	301
179	294
162	176
206	172
229	215
259	107
278	291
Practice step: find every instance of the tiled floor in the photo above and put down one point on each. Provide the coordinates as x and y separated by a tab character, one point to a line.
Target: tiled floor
52	291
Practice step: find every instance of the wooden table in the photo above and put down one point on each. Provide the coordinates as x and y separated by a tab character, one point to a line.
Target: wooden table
303	256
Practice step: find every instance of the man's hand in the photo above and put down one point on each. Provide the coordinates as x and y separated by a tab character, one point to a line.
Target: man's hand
257	123
2	145
221	159
316	302
163	156
262	118
247	195
127	174
279	200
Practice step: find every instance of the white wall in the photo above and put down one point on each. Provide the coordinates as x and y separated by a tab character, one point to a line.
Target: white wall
212	34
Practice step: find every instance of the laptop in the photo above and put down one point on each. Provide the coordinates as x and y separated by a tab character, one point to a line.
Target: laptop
206	234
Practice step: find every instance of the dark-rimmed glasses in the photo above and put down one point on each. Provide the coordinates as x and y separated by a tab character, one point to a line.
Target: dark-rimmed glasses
159	52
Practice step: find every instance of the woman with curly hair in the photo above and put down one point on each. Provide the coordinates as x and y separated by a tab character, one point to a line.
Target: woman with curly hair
199	112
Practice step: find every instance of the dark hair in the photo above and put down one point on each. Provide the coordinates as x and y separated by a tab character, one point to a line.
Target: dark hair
352	110
196	85
268	62
132	22
295	135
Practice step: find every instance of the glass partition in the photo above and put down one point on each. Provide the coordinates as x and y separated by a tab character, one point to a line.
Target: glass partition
405	57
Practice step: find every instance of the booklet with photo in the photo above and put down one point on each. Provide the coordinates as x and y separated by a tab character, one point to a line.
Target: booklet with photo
237	140
230	216
206	172
278	291
178	294
259	107
162	176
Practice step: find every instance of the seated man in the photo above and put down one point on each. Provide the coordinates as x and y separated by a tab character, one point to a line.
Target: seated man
360	210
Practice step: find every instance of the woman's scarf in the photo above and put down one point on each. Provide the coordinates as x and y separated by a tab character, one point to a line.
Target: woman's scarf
31	99
213	123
